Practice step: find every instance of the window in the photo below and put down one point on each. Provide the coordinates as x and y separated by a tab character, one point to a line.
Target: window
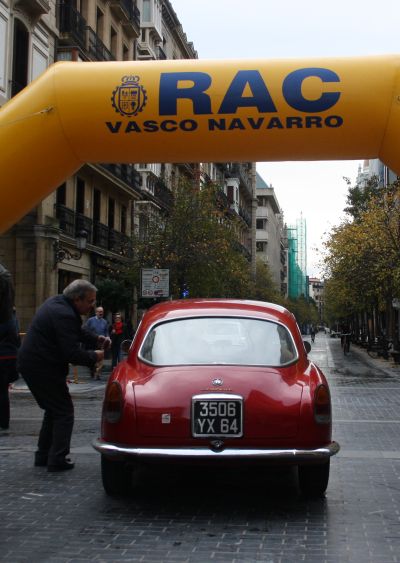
39	63
20	58
113	42
261	224
96	205
146	11
219	340
123	219
100	23
261	246
111	212
61	195
80	196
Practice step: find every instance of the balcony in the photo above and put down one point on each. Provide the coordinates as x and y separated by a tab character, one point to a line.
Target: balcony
126	173
96	48
119	243
83	223
237	170
34	8
66	218
129	15
72	26
74	32
162	194
245	216
100	234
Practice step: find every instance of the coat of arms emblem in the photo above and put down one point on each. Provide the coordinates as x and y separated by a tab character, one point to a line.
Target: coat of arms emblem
129	98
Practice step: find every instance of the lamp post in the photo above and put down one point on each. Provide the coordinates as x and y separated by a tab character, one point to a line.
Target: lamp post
61	254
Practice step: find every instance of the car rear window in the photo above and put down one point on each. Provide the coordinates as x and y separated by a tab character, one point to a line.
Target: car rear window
219	340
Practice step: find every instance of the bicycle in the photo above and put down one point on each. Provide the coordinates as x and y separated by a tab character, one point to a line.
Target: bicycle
380	347
346	343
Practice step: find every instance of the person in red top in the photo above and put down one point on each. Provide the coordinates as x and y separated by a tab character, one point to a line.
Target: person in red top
117	336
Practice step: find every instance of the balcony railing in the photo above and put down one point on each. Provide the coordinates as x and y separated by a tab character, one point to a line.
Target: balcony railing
163	194
83	223
119	243
161	54
96	47
66	218
128	13
76	33
71	23
100	234
245	216
126	173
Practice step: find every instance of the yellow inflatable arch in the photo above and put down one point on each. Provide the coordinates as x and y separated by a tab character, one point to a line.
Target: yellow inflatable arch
194	111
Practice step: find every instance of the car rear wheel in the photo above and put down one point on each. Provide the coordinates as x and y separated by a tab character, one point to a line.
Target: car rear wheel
116	476
313	479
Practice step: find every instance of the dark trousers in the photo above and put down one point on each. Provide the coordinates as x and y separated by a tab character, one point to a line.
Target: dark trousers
4	398
52	395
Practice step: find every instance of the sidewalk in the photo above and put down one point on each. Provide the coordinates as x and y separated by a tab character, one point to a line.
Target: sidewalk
387	366
79	380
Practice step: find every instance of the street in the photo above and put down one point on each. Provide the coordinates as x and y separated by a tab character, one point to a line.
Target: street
204	515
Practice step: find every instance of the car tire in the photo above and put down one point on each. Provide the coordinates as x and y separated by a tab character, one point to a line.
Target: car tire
116	477
313	479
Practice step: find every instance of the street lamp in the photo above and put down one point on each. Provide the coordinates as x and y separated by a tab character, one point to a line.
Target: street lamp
61	254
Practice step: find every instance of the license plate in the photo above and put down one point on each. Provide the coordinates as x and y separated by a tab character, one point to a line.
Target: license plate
217	417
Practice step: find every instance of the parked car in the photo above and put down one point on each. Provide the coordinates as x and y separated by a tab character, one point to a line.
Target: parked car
218	380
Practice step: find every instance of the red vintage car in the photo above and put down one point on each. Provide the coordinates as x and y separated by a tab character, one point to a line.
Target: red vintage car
217	380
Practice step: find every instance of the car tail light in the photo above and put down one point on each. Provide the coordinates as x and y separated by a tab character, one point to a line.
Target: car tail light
113	403
322	405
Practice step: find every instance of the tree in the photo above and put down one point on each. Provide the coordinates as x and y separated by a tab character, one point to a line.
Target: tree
198	242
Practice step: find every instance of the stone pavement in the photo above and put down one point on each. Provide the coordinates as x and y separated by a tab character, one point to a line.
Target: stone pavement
196	515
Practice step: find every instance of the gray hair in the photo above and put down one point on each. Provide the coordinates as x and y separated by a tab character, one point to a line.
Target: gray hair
78	289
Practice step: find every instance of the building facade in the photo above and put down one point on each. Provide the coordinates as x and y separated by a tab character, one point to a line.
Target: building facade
270	234
102	204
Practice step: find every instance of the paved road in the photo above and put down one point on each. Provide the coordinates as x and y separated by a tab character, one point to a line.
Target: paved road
202	516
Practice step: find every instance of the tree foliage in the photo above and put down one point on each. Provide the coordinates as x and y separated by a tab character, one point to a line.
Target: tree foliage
362	264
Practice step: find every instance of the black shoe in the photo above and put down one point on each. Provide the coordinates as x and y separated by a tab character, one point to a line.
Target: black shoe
40	461
67	464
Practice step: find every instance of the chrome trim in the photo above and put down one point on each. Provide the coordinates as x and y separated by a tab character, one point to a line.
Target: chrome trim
294	455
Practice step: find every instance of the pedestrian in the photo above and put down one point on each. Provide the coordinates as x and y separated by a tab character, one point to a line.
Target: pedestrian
9	341
52	342
117	335
99	325
312	333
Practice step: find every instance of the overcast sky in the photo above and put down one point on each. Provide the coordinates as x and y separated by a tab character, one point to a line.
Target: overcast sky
271	29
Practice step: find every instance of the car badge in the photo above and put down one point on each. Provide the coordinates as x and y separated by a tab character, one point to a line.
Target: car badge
217	382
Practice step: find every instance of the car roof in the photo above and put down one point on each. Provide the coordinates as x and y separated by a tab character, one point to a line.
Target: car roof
169	310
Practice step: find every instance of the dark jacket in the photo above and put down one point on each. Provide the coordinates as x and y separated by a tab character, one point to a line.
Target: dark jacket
9	340
54	339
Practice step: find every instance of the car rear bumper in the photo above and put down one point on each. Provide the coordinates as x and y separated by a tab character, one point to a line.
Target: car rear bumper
285	455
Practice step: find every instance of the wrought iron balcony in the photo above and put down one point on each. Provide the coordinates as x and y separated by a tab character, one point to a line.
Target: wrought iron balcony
72	26
126	173
83	223
163	194
100	234
119	243
237	170
245	216
66	219
128	14
74	32
96	47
